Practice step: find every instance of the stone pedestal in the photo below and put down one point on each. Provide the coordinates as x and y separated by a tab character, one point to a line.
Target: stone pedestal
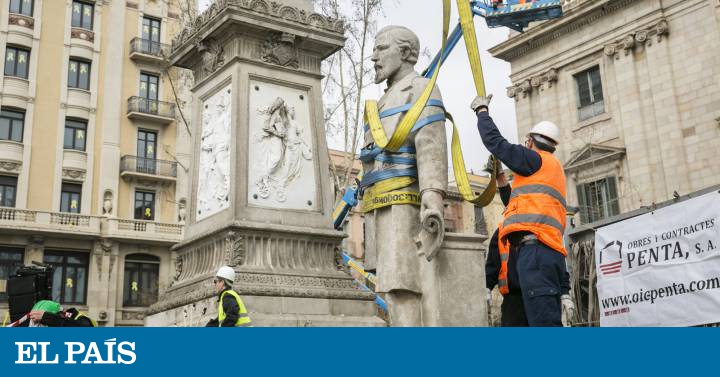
261	194
454	292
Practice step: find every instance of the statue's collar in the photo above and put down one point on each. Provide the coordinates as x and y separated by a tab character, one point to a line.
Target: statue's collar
405	83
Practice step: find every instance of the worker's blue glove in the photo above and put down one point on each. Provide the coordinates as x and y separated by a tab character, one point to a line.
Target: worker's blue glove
481	103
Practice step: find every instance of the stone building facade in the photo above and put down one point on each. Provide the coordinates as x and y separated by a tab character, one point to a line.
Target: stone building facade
635	87
93	152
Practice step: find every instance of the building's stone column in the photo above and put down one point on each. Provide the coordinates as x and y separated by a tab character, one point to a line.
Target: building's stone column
35	249
101	286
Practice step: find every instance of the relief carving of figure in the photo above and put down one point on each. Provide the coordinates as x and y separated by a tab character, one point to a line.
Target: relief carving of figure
284	149
214	182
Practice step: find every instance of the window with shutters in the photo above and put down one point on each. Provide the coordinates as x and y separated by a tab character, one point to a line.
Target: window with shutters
144	205
79	74
141	280
8	191
10	260
17	61
598	200
75	134
69	277
70	198
590	93
82	15
24	7
12	124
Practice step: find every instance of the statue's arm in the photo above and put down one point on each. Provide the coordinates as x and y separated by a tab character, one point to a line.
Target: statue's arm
431	147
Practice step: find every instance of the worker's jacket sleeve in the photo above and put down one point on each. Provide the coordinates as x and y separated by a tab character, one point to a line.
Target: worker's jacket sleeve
565	283
431	145
492	263
519	159
232	310
57	320
505	193
212	323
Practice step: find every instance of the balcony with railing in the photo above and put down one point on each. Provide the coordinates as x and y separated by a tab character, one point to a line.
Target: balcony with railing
147	51
150	110
133	168
145	230
22	221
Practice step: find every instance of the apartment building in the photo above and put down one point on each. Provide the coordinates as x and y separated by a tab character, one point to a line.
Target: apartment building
93	150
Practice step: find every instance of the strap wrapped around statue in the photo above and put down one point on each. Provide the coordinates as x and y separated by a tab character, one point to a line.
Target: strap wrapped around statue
383	188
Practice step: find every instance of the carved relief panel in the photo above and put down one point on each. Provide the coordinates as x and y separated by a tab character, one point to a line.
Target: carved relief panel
281	150
213	193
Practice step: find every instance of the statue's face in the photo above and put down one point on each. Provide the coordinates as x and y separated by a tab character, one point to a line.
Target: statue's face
387	57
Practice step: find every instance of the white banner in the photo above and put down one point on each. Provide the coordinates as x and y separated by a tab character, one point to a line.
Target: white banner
661	268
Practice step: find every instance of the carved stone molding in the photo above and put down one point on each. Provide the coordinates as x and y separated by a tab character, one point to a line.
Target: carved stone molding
538	83
261	284
36	242
101	248
20	20
178	268
588	13
235	249
113	257
261	7
213	55
643	37
74	174
12	167
280	49
133	316
85	35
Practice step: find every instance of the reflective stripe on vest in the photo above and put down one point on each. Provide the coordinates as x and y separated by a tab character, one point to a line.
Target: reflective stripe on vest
539	189
82	315
534	219
538	206
243	317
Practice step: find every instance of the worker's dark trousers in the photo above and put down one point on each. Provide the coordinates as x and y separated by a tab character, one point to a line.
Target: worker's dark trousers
541	269
513	311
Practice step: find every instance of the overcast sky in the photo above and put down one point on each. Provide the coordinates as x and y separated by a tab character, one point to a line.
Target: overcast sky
455	82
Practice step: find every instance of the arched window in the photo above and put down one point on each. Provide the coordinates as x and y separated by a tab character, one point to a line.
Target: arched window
142	273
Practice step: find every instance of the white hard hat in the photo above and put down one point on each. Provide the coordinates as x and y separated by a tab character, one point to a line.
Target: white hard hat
548	130
227	273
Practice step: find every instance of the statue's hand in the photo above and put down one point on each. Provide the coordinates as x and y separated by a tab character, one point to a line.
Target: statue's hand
432	231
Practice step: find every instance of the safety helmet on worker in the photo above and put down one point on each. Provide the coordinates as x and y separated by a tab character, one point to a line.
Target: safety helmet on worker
47	306
227	273
547	130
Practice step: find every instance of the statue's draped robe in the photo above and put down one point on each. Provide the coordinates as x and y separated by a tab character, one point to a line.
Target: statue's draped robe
390	232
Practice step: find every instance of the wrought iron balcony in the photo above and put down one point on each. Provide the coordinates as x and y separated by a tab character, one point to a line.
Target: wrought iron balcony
148	51
148	169
144	109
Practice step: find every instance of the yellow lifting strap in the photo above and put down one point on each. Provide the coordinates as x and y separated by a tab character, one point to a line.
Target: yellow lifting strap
401	133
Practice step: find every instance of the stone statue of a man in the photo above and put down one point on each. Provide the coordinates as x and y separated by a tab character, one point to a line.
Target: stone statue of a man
393	233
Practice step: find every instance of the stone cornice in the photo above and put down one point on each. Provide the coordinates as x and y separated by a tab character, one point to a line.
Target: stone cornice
575	18
642	37
537	83
261	8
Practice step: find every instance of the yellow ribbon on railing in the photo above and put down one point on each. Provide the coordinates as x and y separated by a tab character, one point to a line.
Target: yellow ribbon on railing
401	133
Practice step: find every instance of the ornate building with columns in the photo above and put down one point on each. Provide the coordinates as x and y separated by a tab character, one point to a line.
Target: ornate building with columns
635	87
93	150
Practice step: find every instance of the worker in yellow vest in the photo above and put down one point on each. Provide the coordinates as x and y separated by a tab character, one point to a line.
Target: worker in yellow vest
231	310
534	220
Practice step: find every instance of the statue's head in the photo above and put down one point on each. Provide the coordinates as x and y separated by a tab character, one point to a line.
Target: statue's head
396	48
